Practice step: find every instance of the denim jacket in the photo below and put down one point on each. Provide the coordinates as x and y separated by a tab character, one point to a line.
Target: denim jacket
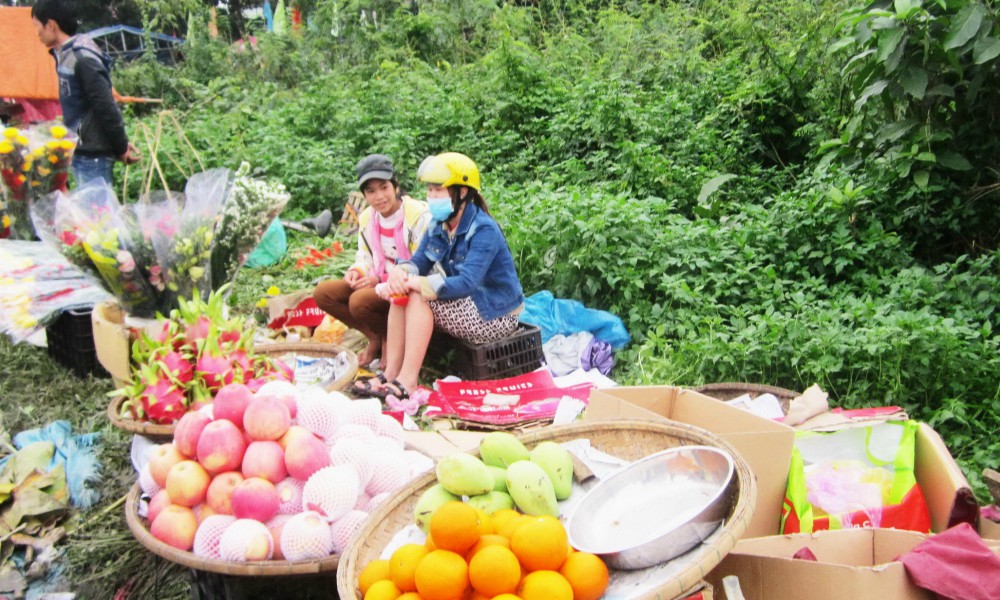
477	262
88	103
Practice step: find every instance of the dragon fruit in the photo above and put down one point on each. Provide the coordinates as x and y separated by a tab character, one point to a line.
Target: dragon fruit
198	331
161	400
177	367
214	369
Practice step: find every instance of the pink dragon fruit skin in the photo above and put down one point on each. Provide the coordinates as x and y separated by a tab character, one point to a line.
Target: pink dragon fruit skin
242	363
215	370
197	331
255	384
230	336
178	366
282	371
163	402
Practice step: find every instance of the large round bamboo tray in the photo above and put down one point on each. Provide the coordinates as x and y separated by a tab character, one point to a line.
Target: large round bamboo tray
268	568
154	430
730	390
628	439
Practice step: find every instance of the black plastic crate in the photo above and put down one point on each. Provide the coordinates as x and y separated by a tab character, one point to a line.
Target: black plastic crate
516	354
70	340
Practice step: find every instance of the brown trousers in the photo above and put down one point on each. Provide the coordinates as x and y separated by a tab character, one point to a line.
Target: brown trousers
359	309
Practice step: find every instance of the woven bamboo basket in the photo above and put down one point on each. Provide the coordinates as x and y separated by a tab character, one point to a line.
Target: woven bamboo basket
317	350
730	390
268	568
627	439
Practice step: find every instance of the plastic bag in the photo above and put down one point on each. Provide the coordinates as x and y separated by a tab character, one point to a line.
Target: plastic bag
272	247
250	208
856	477
565	317
185	256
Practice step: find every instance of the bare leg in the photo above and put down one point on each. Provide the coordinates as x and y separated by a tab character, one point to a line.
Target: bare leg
419	327
395	342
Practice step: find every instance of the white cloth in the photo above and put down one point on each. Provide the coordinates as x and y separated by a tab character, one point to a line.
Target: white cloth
563	352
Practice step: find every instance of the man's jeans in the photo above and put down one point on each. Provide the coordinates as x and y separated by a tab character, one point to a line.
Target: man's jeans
89	168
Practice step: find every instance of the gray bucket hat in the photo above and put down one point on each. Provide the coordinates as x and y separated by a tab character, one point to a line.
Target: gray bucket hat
375	166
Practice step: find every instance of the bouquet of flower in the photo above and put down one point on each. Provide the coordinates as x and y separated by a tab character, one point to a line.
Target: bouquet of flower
185	255
248	212
33	163
59	223
196	353
154	214
4	222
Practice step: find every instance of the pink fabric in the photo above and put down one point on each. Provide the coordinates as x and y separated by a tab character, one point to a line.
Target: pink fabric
956	565
375	234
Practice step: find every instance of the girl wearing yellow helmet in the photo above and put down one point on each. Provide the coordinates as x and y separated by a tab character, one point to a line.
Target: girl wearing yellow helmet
461	279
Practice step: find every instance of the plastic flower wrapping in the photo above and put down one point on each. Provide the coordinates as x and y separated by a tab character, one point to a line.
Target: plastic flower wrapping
166	246
33	163
36	285
196	351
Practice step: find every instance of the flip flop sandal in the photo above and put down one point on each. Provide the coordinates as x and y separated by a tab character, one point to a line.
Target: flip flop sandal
400	392
364	386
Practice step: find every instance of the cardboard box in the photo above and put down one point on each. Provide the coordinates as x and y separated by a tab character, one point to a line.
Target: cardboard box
950	500
989	530
852	563
766	445
113	339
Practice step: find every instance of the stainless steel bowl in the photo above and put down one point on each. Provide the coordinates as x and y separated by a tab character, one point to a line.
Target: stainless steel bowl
655	509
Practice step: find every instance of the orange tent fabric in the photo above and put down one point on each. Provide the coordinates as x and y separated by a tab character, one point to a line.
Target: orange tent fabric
28	69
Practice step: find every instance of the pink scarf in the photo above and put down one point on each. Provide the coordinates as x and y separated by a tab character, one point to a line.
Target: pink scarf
375	243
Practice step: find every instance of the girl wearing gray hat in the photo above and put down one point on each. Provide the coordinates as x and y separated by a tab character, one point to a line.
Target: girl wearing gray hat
389	231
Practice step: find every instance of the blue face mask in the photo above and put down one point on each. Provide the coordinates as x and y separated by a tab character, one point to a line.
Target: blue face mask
440	208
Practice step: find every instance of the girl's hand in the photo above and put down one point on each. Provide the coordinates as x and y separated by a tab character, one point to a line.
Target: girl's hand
397	281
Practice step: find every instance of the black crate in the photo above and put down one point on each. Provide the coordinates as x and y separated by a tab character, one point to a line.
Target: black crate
516	354
70	340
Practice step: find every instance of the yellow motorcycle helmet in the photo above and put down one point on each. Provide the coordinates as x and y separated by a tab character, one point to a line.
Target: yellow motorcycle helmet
449	168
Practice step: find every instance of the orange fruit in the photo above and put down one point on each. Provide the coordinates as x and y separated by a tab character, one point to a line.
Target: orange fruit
487	540
587	575
486	526
478	596
506	597
383	590
455	527
442	575
541	544
502	516
403	563
430	542
376	570
494	570
511	525
410	596
546	585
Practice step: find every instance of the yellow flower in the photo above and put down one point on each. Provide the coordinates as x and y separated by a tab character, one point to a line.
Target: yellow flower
6	222
44	172
262	303
6	147
58	131
53	145
67	145
53	159
11	133
39	151
21	140
273	291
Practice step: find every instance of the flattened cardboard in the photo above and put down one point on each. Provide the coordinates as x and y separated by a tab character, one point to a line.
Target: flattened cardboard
851	563
989	530
766	445
429	443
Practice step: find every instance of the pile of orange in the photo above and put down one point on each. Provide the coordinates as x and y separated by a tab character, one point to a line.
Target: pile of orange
470	555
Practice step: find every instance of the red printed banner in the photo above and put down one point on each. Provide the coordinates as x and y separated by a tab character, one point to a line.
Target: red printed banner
529	397
304	314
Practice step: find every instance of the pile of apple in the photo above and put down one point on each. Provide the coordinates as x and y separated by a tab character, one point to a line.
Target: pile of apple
276	474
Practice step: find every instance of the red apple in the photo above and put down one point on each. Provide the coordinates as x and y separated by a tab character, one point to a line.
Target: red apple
220	492
221	447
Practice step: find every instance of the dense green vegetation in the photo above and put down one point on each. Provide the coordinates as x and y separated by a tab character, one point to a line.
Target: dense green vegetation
786	192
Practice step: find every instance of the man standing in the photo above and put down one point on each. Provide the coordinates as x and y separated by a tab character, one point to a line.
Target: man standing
85	94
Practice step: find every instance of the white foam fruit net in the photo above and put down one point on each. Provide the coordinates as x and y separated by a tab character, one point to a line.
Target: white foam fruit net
355	452
332	491
306	536
209	534
146	482
246	539
353	430
344	528
390	428
289	496
377	501
391	473
275	525
365	412
318	414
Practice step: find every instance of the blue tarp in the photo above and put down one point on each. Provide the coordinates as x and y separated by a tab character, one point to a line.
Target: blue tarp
555	316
